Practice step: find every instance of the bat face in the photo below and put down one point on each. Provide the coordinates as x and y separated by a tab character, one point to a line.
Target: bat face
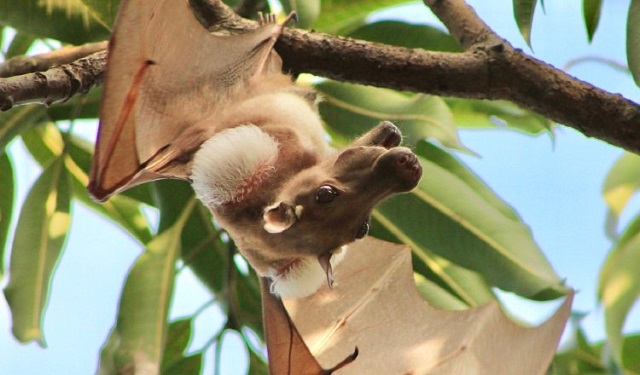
296	232
328	205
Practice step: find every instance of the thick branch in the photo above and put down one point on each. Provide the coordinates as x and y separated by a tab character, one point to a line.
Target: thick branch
533	84
489	69
54	85
38	63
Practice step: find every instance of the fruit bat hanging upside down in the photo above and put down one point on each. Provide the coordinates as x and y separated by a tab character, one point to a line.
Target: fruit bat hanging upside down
216	110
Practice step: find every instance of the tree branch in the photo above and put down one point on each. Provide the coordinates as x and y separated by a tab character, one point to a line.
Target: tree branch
490	68
533	84
54	85
38	63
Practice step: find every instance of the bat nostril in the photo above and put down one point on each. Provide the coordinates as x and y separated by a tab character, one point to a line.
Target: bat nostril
403	159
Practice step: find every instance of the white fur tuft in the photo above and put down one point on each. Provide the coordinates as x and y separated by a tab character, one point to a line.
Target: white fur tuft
232	163
305	278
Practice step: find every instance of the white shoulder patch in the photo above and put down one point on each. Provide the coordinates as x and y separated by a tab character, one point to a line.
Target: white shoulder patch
305	278
232	163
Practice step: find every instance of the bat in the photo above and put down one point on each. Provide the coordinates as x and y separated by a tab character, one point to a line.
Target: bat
216	110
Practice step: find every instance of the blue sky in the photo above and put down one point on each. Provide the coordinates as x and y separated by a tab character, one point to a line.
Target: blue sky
554	184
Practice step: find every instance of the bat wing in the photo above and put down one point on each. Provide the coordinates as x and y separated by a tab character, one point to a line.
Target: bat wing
165	74
288	354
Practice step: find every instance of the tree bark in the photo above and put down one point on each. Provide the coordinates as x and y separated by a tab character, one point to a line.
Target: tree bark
489	68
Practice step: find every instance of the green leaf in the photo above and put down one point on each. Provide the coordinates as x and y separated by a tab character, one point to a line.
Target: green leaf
619	289
633	40
202	247
103	10
79	107
454	166
306	10
342	16
37	246
173	360
523	11
437	296
68	21
622	181
257	365
591	13
578	357
7	197
465	287
20	44
139	337
497	113
447	216
630	357
350	110
121	209
188	365
17	120
46	142
178	339
407	35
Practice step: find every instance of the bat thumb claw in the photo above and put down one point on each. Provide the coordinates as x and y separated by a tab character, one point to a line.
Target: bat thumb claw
325	263
291	17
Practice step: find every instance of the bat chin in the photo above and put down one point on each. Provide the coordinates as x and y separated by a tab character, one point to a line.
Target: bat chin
301	277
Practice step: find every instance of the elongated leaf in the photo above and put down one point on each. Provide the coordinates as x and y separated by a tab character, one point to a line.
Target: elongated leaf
138	339
343	16
619	289
40	234
46	142
178	338
523	11
497	113
17	120
307	11
19	45
633	40
121	209
463	286
447	216
257	365
7	197
103	10
174	360
202	248
591	13
454	166
630	357
579	357
437	296
622	181
188	365
69	21
407	35
79	107
353	109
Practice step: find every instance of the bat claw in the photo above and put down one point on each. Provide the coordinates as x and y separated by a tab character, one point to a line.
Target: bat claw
293	16
325	263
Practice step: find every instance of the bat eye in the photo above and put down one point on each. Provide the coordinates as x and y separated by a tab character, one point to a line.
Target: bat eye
363	230
326	194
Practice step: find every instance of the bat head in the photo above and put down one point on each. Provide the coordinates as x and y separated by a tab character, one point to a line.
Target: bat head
329	205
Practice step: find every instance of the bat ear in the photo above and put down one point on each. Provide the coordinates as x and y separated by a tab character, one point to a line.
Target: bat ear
280	216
